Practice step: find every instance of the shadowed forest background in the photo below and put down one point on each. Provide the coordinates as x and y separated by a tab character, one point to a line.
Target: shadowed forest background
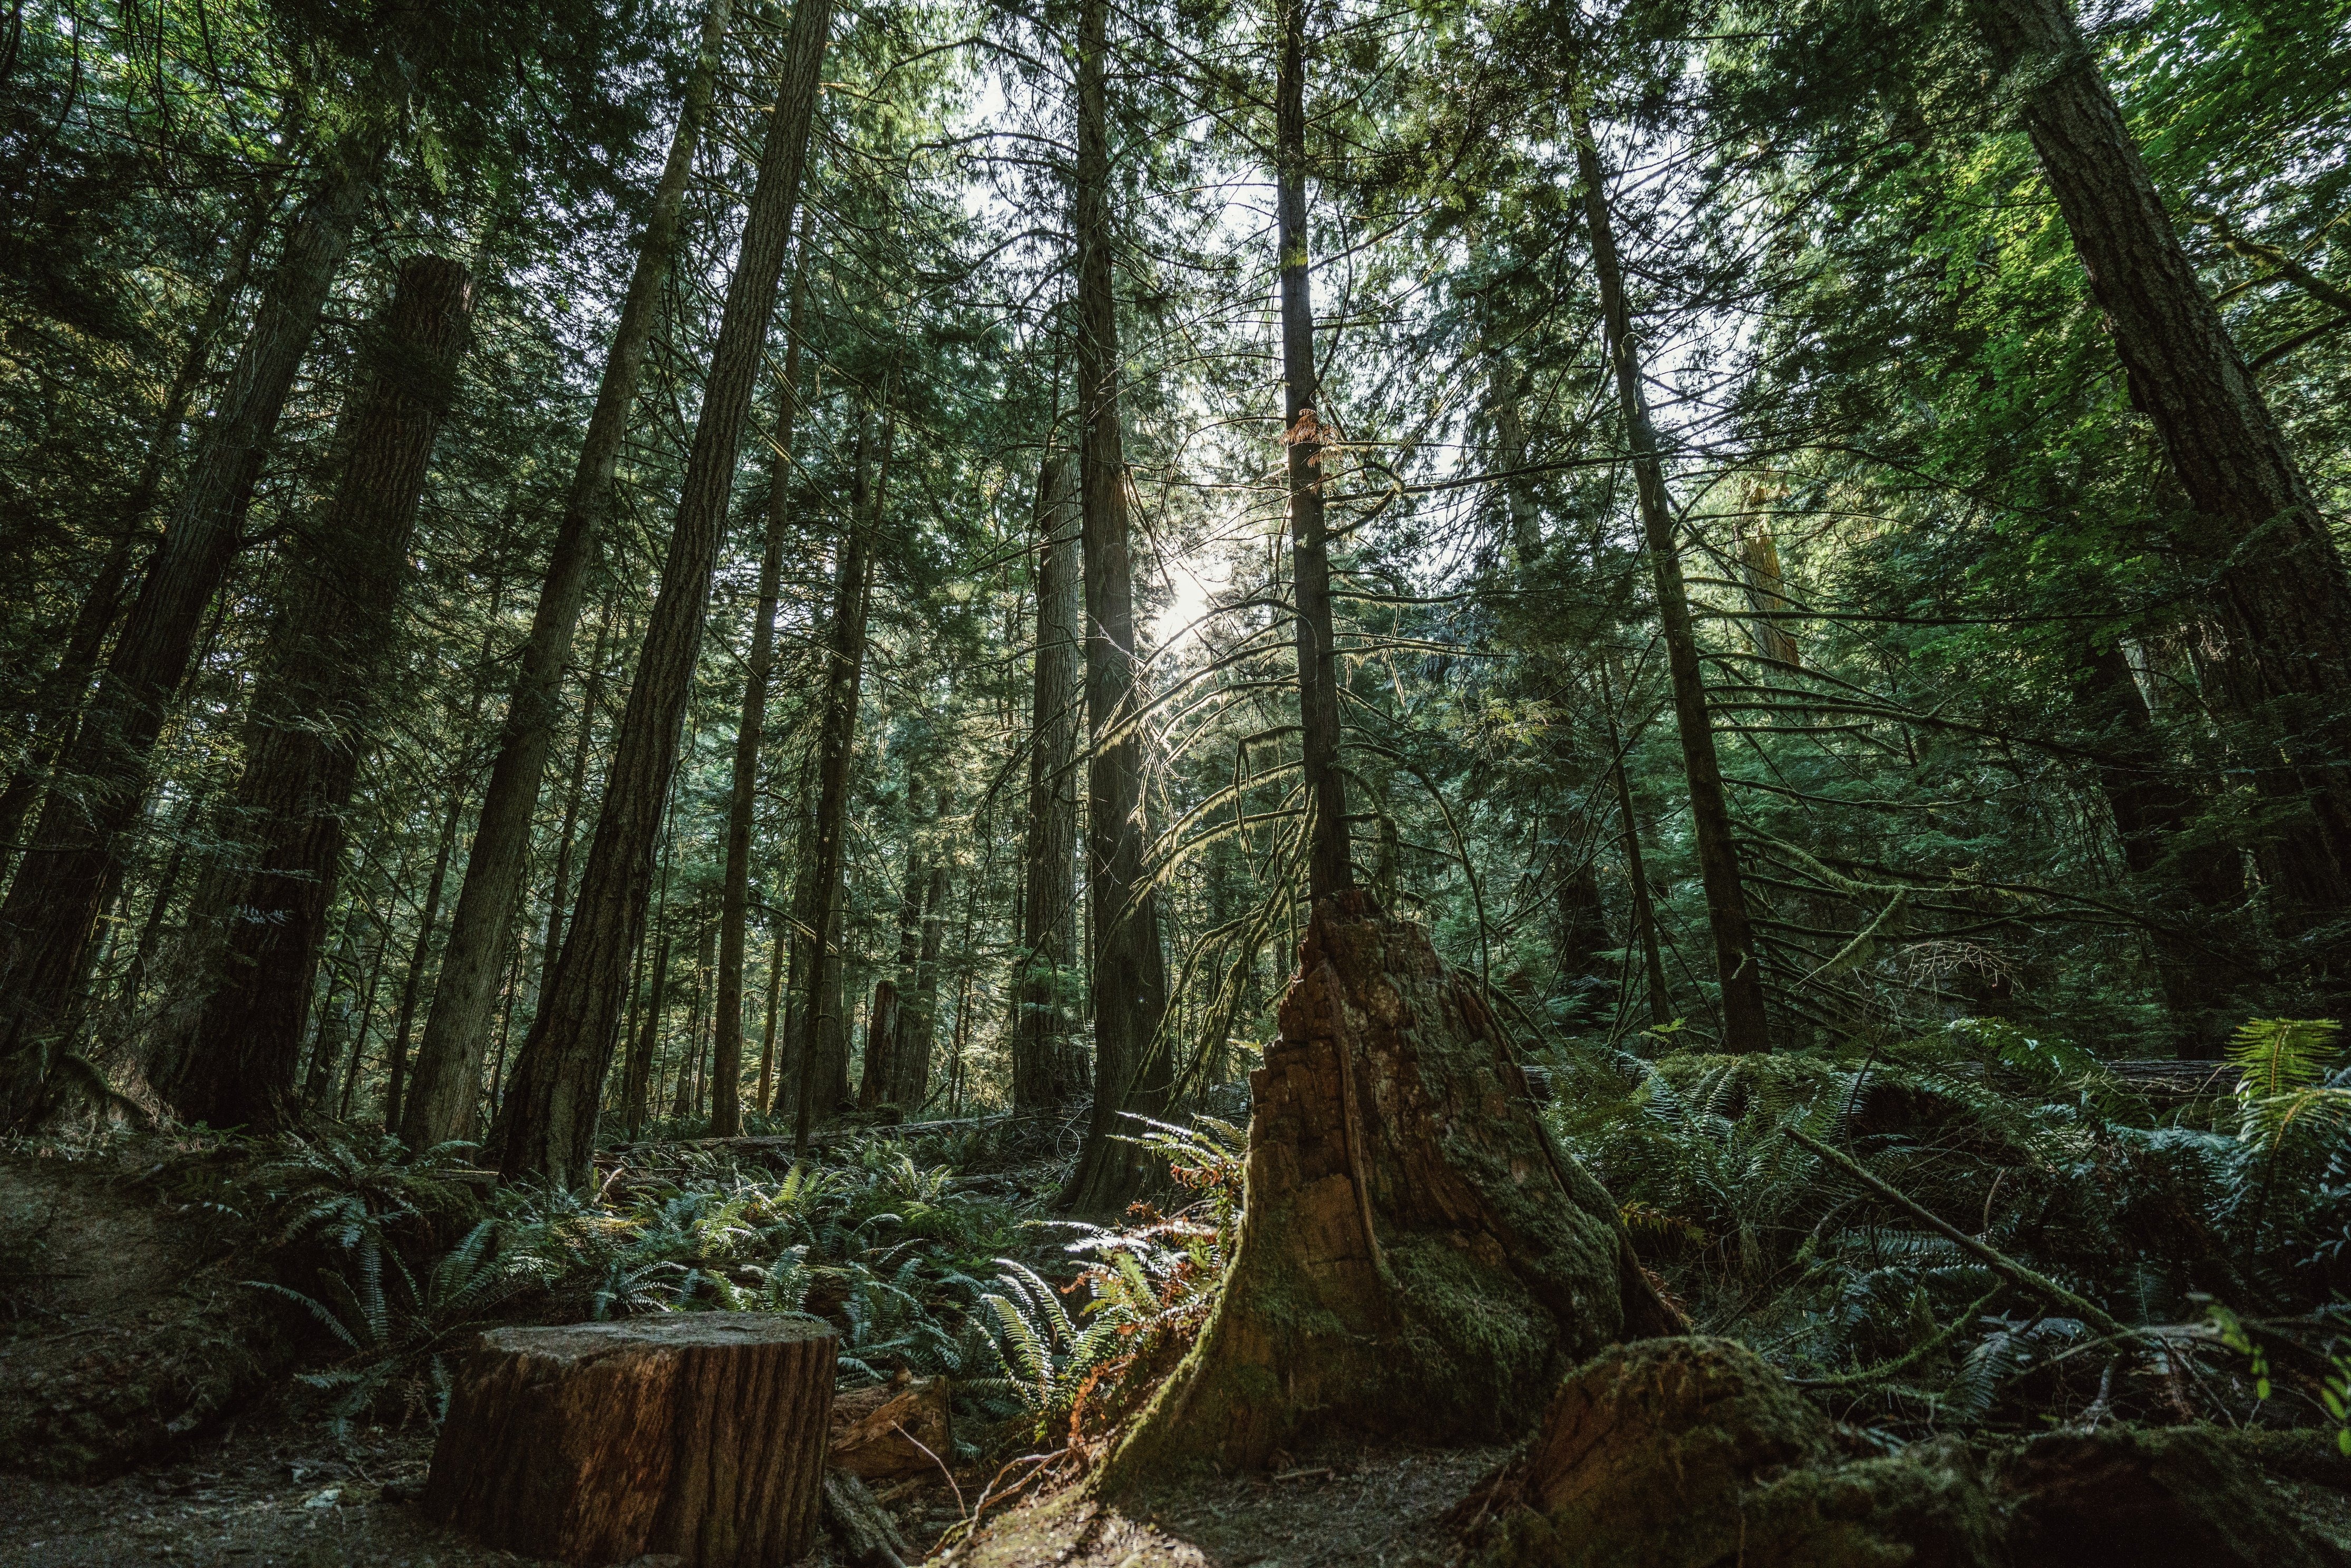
708	655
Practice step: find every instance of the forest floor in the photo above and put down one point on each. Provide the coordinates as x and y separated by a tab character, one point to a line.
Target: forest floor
131	1348
1339	1507
272	1489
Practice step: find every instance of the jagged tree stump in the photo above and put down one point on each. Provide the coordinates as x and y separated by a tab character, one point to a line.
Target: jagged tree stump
698	1434
1416	1257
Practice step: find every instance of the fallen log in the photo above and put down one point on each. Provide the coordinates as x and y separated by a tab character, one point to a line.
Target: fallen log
868	1536
1416	1257
902	1428
697	1434
1692	1453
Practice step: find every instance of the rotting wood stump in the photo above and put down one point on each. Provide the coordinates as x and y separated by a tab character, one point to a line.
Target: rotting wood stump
697	1434
1416	1259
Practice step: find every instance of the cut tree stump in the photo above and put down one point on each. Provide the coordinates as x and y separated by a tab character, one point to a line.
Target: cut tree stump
698	1434
902	1428
1416	1259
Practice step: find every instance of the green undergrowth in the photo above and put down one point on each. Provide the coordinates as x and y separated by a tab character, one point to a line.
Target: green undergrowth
2218	1221
396	1258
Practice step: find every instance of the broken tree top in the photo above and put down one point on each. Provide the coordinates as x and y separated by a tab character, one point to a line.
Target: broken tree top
700	1434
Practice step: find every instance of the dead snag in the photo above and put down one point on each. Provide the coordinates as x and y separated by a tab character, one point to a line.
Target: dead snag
1416	1259
700	1434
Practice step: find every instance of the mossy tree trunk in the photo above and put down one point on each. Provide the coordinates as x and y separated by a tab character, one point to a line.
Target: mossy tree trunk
1417	1257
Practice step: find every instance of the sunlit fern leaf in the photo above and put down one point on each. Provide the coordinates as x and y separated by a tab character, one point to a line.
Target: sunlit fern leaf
2276	1056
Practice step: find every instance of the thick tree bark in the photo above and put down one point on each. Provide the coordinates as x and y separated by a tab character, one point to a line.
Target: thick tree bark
547	1125
844	676
735	894
1737	962
76	859
1047	1069
700	1435
2278	591
1330	868
315	705
456	1032
1417	1257
1132	1069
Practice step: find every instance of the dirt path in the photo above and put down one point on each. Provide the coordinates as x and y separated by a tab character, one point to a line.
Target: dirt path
1335	1508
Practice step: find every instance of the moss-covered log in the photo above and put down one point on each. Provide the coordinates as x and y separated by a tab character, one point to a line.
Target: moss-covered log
1416	1259
1689	1453
1685	1453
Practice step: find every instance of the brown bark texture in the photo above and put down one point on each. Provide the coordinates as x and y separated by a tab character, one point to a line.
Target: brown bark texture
316	704
546	1125
1048	1069
1737	963
1416	1259
696	1434
458	1028
1131	1068
79	844
2275	581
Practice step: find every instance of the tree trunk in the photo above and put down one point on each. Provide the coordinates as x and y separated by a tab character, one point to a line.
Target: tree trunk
2154	819
735	896
1130	972
1329	867
547	1125
879	1082
558	892
456	1032
1737	962
315	707
77	856
1416	1259
56	702
798	1036
1644	912
778	962
396	1068
700	1435
910	1051
843	678
638	1074
2279	595
881	1034
1047	1070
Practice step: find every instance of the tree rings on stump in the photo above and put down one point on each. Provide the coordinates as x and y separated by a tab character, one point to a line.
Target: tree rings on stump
697	1434
1416	1259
